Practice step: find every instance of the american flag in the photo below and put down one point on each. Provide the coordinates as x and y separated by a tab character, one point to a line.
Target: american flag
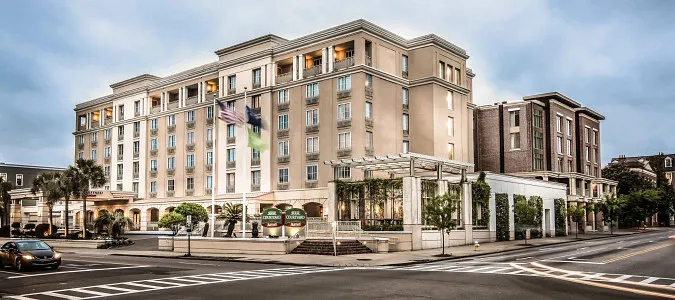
229	115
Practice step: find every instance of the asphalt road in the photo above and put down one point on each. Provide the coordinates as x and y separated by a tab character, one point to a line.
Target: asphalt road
629	267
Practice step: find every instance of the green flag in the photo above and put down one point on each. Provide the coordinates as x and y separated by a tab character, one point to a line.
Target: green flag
255	141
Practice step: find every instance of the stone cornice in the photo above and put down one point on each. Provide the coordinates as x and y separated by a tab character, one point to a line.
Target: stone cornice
591	113
441	82
470	73
250	43
134	80
555	96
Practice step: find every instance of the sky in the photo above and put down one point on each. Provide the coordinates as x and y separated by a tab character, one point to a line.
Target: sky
616	57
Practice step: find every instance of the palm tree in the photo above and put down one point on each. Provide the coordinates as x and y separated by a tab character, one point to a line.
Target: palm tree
232	213
49	183
102	222
5	187
69	185
118	223
88	176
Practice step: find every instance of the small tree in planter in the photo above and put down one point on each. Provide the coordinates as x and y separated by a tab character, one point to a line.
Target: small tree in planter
527	215
119	222
439	213
198	212
611	207
577	214
232	213
173	221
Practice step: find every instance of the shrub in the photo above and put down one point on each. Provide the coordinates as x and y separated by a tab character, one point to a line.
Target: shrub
198	212
16	225
480	193
173	221
383	227
42	230
560	217
503	216
78	235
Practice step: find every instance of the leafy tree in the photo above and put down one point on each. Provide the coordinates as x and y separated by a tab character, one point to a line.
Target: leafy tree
577	213
198	212
49	183
439	213
628	181
611	207
173	221
527	215
232	213
88	176
5	187
640	205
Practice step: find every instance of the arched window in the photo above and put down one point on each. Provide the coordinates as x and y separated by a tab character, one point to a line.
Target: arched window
669	162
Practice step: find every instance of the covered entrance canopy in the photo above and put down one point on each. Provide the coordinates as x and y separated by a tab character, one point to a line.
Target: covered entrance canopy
404	164
107	195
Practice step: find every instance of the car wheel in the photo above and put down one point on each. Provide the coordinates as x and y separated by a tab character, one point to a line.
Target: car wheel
55	267
18	266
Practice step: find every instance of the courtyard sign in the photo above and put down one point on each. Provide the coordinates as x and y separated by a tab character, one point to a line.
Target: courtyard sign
295	217
271	218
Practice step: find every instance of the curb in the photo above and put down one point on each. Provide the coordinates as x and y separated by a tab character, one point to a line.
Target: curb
421	261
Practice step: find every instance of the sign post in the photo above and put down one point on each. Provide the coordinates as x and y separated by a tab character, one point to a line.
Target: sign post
188	227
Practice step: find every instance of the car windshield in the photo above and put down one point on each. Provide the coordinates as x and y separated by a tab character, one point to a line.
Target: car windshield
37	245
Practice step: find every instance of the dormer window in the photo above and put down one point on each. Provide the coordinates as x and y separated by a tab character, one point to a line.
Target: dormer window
669	162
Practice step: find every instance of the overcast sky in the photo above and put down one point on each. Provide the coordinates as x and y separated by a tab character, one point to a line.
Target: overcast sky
616	57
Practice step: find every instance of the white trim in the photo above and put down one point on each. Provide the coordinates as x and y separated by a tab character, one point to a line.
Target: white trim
569	118
586	126
595	129
513	109
559	114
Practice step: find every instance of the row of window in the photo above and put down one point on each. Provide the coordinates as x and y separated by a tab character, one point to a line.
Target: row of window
447	72
18	179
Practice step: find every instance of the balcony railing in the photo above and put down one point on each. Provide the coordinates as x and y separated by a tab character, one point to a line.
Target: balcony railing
153	132
80	146
120	156
231	164
136	155
189	169
170	172
282	133
209	144
231	139
283	106
256	85
137	113
94	143
404	74
344	152
231	91
256	110
209	168
282	186
286	77
173	104
312	71
255	161
190	124
255	187
106	159
229	189
344	94
137	134
119	176
406	132
312	128
369	93
369	122
343	63
312	156
120	137
209	121
312	100
136	175
210	96
107	121
208	191
169	193
344	123
283	159
107	141
189	192
311	184
170	150
405	106
191	100
95	124
190	147
153	152
369	151
156	109
153	194
369	61
171	128
153	173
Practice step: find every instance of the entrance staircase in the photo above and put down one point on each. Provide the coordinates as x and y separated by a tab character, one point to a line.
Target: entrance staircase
325	247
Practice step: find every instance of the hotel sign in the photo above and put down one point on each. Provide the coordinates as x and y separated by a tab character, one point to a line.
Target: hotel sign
271	218
295	217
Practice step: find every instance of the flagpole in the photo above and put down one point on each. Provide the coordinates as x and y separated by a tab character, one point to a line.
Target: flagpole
214	168
243	224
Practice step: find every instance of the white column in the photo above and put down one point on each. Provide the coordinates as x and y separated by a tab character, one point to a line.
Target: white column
295	68
199	92
272	74
331	58
101	117
467	209
180	97
301	65
114	114
203	90
221	86
324	60
161	101
412	210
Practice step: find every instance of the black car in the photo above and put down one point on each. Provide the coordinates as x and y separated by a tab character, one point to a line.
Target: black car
25	254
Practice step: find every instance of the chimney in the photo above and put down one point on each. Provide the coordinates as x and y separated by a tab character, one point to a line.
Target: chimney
503	102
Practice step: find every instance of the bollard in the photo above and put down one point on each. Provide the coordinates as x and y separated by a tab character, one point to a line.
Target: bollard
475	246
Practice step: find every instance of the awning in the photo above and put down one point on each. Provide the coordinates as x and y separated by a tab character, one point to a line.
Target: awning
413	164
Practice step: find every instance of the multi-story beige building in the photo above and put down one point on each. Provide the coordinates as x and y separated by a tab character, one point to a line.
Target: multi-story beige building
354	90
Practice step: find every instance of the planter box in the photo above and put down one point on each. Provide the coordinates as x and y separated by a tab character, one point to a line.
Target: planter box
165	243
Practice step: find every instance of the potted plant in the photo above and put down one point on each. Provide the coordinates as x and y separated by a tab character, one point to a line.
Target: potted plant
173	221
232	213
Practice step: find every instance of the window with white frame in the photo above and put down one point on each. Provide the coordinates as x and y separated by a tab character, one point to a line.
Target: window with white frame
257	77
190	160
106	134
569	147
190	115
587	134
209	181
369	140
312	90
515	140
231	154
588	153
405	122
283	122
209	158
119	187
171	163
107	152
172	141
595	155
209	134
313	144
668	162
153	124
538	140
312	172
153	186
514	118
283	175
19	180
137	127
93	154
3	176
255	154
231	105
190	137
134	187
189	183
559	144
153	165
450	100
594	137
80	139
344	111
209	112
451	151
558	123
136	167
94	136
344	140
232	82
255	177
106	171
406	146
137	147
451	126
345	83
283	150
153	144
137	107
569	127
369	110
369	81
284	96
231	131
120	170
344	172
171	120
80	155
404	97
404	63
312	117
170	185
120	149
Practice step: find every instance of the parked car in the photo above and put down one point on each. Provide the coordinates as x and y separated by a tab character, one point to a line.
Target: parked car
27	254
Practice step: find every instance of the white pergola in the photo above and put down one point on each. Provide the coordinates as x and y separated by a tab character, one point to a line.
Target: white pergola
404	164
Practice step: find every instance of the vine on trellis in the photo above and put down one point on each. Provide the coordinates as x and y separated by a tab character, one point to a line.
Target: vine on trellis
503	216
539	203
480	194
560	217
520	233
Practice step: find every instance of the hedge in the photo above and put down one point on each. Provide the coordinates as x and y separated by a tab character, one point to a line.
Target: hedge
539	203
560	217
503	216
520	233
480	193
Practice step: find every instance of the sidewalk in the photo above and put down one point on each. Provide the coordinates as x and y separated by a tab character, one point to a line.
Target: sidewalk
356	260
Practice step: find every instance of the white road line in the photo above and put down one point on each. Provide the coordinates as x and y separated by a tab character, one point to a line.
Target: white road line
13	273
101	294
233	277
189	280
523	258
98	257
575	262
57	295
200	264
589	277
515	272
480	269
159	281
114	288
496	270
20	298
650	280
152	287
74	271
621	278
77	268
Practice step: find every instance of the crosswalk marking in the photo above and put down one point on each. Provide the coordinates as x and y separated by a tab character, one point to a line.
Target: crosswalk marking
621	278
650	280
82	290
139	285
497	270
57	295
109	287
